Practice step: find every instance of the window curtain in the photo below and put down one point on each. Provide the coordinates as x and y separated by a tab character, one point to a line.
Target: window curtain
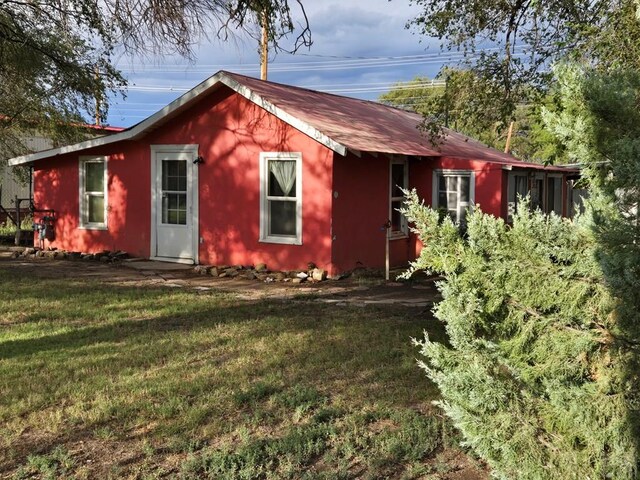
522	186
285	173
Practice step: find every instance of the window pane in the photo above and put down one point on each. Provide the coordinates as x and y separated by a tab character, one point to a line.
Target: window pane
396	216
282	217
442	183
464	189
452	201
95	207
282	178
397	179
174	208
442	199
452	184
174	175
94	176
522	186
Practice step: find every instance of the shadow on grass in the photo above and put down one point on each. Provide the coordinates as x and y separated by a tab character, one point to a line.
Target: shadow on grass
174	360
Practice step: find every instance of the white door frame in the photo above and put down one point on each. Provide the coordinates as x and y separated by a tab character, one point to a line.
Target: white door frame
192	150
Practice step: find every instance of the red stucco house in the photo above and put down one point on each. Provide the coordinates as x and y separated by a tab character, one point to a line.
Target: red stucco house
243	171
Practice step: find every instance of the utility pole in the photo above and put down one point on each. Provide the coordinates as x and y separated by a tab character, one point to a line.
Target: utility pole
507	147
264	46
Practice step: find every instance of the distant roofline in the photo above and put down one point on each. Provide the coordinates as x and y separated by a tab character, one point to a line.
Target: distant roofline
105	128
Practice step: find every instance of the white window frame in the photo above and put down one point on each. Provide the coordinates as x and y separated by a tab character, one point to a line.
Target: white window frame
404	224
84	195
264	198
435	190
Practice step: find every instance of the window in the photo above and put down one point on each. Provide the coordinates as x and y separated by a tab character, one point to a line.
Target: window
281	198
174	192
576	197
399	181
537	192
518	187
453	192
554	195
93	192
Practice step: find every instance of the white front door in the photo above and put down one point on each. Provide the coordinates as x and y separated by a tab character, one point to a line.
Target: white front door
174	203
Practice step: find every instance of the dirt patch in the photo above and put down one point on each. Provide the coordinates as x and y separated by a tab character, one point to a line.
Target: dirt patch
362	291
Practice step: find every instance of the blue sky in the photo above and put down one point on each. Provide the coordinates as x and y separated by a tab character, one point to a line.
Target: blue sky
360	48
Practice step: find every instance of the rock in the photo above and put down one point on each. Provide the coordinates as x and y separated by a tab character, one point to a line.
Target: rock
87	257
319	274
231	272
249	275
261	267
297	281
214	272
201	269
279	276
74	255
223	275
60	255
121	255
50	254
28	251
261	276
40	253
15	254
302	275
105	259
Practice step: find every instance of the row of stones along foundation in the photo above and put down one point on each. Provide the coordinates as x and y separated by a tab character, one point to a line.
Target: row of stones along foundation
257	272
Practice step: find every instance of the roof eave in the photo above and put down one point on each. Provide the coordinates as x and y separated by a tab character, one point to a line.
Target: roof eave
173	108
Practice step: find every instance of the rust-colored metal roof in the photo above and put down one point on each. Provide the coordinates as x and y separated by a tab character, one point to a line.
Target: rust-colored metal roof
368	126
340	123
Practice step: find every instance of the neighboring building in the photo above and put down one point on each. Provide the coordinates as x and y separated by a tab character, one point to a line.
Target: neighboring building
9	186
242	171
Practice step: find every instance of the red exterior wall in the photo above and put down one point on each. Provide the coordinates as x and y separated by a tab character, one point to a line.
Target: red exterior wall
231	132
360	209
56	187
362	205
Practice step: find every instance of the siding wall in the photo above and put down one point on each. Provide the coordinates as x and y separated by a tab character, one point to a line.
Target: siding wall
231	132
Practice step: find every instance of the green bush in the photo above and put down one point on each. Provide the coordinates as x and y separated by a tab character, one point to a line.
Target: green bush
533	376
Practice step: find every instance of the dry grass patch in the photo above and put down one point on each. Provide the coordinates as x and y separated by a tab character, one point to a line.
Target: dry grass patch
111	381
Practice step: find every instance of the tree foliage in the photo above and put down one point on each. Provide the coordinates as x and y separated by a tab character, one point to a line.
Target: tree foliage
532	375
510	45
465	102
56	57
541	374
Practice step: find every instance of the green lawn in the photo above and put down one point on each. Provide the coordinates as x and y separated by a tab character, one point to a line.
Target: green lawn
101	380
